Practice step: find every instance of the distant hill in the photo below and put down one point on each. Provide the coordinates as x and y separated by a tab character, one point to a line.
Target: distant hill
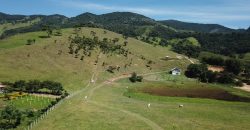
127	23
196	27
214	38
22	23
4	18
114	18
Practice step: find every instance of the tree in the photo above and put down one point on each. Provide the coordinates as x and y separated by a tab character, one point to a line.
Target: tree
233	65
187	48
213	60
29	42
164	42
115	40
19	85
226	78
33	86
111	69
10	117
58	32
196	70
133	77
48	29
125	43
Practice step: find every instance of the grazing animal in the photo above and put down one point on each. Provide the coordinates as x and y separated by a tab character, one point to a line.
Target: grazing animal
86	97
180	106
149	105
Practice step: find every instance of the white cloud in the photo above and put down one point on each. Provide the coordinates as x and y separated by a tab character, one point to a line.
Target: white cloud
205	14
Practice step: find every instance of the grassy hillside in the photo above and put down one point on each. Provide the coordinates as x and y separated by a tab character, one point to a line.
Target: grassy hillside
110	104
41	60
8	26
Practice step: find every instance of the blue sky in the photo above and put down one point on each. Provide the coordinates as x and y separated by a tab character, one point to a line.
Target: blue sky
230	13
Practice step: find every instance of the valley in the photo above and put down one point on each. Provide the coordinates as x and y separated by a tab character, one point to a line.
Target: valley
98	77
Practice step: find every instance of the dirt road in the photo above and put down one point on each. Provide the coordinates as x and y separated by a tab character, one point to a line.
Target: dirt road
245	87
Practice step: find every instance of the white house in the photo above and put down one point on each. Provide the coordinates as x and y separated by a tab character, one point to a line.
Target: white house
175	71
1	88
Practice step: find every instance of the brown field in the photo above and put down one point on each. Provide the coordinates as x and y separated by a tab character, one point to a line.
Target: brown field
210	93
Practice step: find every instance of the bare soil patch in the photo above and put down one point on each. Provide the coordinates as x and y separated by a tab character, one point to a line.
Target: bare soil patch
210	93
216	68
245	87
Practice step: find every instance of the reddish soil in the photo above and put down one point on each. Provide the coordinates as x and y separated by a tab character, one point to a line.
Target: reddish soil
216	68
211	93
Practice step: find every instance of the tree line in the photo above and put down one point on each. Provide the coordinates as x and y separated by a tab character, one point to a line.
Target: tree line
35	86
201	72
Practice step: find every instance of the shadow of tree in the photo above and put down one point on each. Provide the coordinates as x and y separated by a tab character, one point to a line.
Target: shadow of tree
44	36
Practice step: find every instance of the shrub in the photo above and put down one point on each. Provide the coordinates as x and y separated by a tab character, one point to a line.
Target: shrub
139	78
239	83
134	78
10	117
226	78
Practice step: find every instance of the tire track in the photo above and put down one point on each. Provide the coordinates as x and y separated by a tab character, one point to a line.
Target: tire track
149	122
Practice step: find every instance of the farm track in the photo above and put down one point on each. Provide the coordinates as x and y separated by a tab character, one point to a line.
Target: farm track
149	122
91	87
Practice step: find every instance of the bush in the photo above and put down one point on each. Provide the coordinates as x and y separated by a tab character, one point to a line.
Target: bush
134	78
226	78
10	117
239	83
139	78
196	70
233	65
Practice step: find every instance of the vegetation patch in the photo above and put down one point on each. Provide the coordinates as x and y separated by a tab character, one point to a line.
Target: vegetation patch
21	106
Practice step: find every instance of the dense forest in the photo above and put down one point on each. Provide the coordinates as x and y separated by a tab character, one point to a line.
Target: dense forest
205	28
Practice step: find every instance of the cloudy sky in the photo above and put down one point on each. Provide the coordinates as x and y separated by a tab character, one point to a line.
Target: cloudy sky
230	13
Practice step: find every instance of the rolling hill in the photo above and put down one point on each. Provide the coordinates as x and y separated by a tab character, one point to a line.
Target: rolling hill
121	22
114	18
196	27
112	94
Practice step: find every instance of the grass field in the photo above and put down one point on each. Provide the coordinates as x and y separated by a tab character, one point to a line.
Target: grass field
31	102
109	104
112	100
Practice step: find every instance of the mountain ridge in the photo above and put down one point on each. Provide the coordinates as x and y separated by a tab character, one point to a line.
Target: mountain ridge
197	27
127	17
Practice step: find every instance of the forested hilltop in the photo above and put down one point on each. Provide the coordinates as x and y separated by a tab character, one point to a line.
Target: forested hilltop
211	37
